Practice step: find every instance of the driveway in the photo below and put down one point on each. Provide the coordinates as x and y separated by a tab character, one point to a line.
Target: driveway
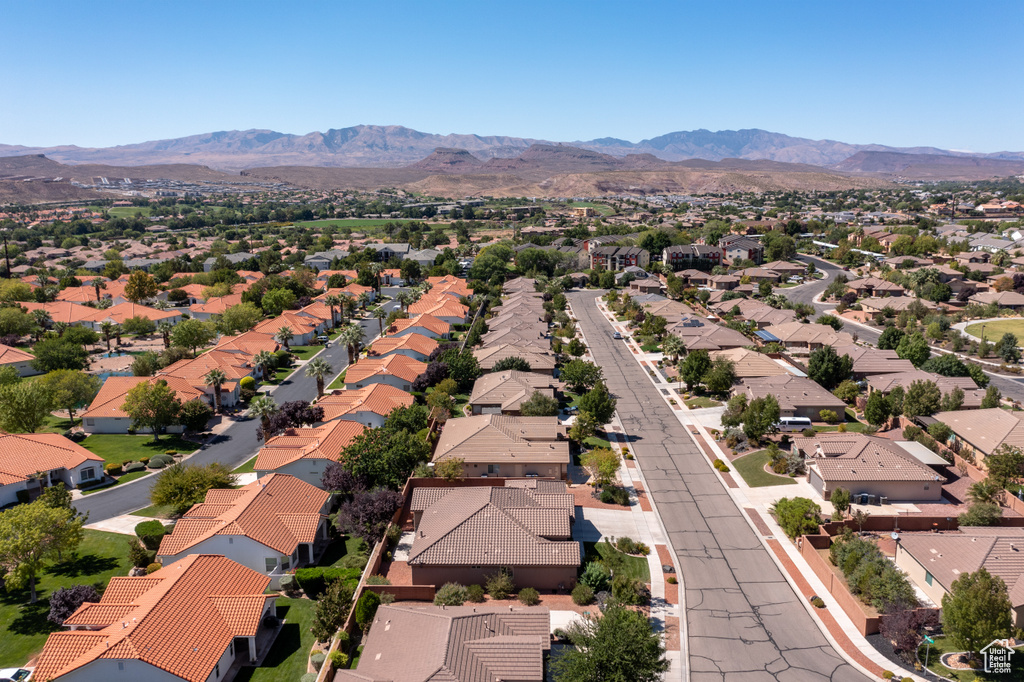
593	525
743	620
232	447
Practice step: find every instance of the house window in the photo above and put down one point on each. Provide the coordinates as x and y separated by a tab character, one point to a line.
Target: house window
928	577
216	671
271	564
494	468
88	473
285	563
90	421
120	666
231	540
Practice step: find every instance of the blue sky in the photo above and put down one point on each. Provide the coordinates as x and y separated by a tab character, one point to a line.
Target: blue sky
897	72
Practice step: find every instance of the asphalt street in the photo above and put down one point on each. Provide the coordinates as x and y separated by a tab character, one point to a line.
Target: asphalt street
232	447
743	619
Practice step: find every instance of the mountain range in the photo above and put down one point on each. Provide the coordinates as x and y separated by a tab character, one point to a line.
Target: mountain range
371	146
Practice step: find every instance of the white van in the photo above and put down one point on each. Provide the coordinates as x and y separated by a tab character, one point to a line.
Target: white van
794	423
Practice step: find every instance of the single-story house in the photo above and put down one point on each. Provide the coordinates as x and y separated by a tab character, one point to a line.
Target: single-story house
869	465
271	525
700	333
395	370
505	392
415	346
497	445
126	311
18	359
541	362
369	406
428	325
106	414
1010	300
304	453
981	432
869	361
191	621
214	306
749	363
797	396
31	461
884	383
498	528
796	336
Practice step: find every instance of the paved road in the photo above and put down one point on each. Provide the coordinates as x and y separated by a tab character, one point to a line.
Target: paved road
744	621
234	446
806	292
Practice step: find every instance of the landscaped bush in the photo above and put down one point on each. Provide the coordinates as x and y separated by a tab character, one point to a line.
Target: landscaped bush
65	600
797	516
377	580
366	609
475	593
671	580
582	594
529	596
627	545
808	433
112	469
829	417
387	598
130	467
888	674
595	575
153	568
451	594
721	466
338	659
613	494
629	591
818	603
161	461
170	453
500	585
247	383
317	660
870	575
343	638
313	581
150	532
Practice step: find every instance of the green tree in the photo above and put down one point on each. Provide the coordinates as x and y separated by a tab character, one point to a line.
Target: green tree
797	516
696	366
847	391
840	500
599	403
673	347
512	362
913	347
331	610
385	457
263	408
992	398
719	379
1005	465
276	301
976	610
761	417
923	399
319	369
193	334
617	647
238	318
1006	348
139	326
70	388
890	338
583	427
581	375
602	464
195	414
952	401
539	405
24	406
54	354
827	368
30	536
140	287
184	485
152	405
215	378
831	320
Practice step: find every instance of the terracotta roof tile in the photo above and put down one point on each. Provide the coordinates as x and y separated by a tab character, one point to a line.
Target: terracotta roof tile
379	399
399	366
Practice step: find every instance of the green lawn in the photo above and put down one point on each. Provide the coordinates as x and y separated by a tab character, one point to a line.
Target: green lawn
597	442
995	330
24	625
127	211
247	468
701	401
125	448
751	468
154	512
852	427
280	374
942	646
305	352
338	383
123	479
603	209
57	424
287	658
635	566
339	549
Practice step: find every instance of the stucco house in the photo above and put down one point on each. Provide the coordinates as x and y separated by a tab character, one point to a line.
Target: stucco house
271	525
395	370
498	445
505	392
304	453
30	461
18	359
369	406
106	412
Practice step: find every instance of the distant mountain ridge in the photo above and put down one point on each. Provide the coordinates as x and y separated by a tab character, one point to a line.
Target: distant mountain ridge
372	146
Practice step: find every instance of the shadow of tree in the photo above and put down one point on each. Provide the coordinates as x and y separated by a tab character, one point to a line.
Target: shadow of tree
90	564
32	619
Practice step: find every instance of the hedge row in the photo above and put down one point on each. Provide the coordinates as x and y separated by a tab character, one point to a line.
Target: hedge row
313	581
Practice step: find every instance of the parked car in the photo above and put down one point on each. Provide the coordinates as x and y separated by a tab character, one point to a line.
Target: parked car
616	335
324	339
15	675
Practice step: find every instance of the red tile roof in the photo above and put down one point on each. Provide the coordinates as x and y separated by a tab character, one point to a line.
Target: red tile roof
24	454
320	442
377	398
400	366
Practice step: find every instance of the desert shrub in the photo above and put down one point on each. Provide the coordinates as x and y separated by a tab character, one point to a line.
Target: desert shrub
343	638
153	568
131	467
499	585
808	433
112	469
797	516
366	609
627	545
475	593
387	598
582	594
450	594
818	603
377	580
170	453
613	494
338	659
317	660
829	417
629	591
871	576
529	596
888	675
138	555
671	580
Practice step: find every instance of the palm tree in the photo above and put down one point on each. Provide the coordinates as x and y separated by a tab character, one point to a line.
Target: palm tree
284	336
405	299
672	347
319	369
983	491
380	314
42	319
352	337
117	333
376	269
333	301
363	299
60	328
164	330
107	328
348	308
215	378
264	361
263	407
160	304
98	284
